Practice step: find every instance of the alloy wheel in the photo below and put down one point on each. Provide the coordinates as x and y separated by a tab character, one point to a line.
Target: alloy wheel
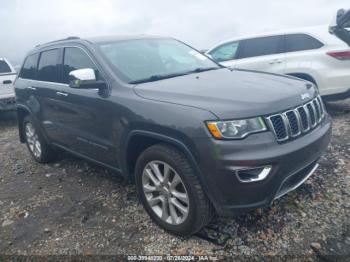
33	140
165	192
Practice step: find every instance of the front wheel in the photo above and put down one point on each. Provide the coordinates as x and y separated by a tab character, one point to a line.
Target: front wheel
170	191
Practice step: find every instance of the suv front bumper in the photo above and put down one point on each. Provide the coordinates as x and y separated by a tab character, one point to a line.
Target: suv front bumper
292	163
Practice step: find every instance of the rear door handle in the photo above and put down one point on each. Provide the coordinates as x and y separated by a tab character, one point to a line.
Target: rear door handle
31	88
275	61
7	82
61	94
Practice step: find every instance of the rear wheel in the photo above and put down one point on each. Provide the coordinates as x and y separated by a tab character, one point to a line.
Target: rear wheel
40	150
170	191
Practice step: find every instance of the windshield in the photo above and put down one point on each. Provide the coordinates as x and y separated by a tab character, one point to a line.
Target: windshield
145	60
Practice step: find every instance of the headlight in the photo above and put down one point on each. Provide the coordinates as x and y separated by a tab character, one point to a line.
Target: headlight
236	129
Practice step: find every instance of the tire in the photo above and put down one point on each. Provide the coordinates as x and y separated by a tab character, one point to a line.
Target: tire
40	150
175	219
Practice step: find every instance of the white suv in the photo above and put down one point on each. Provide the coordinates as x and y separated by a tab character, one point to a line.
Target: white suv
313	54
7	78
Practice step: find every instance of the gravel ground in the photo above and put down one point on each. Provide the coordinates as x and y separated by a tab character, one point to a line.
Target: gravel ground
72	207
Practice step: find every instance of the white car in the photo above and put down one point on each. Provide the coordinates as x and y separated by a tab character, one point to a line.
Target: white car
313	54
7	79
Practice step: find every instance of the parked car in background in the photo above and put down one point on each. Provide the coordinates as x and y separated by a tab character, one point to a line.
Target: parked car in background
312	54
340	26
196	137
7	79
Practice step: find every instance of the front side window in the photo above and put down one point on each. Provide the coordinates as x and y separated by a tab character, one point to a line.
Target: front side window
261	46
48	67
144	60
74	59
28	70
301	42
225	52
4	67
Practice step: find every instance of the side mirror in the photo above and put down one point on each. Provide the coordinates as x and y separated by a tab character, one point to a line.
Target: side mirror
85	79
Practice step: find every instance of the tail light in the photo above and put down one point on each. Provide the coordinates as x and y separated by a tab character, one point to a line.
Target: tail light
340	55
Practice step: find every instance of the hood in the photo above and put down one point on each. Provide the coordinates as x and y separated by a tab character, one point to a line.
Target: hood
231	94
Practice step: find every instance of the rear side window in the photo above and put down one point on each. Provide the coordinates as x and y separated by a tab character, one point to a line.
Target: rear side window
300	42
225	52
28	70
4	67
260	46
48	67
75	58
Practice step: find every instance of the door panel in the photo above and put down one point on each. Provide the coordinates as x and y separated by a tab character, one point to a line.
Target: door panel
271	63
53	111
81	119
262	54
83	124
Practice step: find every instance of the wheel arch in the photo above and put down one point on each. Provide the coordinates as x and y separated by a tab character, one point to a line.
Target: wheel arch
304	76
22	112
139	140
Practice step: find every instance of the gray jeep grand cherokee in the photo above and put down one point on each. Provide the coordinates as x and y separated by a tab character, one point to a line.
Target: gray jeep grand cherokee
196	137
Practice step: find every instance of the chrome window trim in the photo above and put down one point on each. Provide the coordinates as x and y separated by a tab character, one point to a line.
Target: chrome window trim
62	63
45	82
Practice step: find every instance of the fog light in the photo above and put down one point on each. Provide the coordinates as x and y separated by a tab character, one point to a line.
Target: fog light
253	174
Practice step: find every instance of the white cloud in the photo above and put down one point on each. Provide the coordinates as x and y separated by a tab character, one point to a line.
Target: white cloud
202	23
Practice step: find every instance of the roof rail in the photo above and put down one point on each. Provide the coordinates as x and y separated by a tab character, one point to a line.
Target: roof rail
59	40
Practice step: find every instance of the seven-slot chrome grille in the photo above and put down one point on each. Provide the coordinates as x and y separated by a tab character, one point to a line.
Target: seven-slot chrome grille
295	122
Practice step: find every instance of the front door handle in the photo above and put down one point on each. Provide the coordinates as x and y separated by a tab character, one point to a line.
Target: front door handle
61	94
31	88
7	82
275	61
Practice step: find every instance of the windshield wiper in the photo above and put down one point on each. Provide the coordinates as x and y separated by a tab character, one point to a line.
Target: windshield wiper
199	69
156	78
